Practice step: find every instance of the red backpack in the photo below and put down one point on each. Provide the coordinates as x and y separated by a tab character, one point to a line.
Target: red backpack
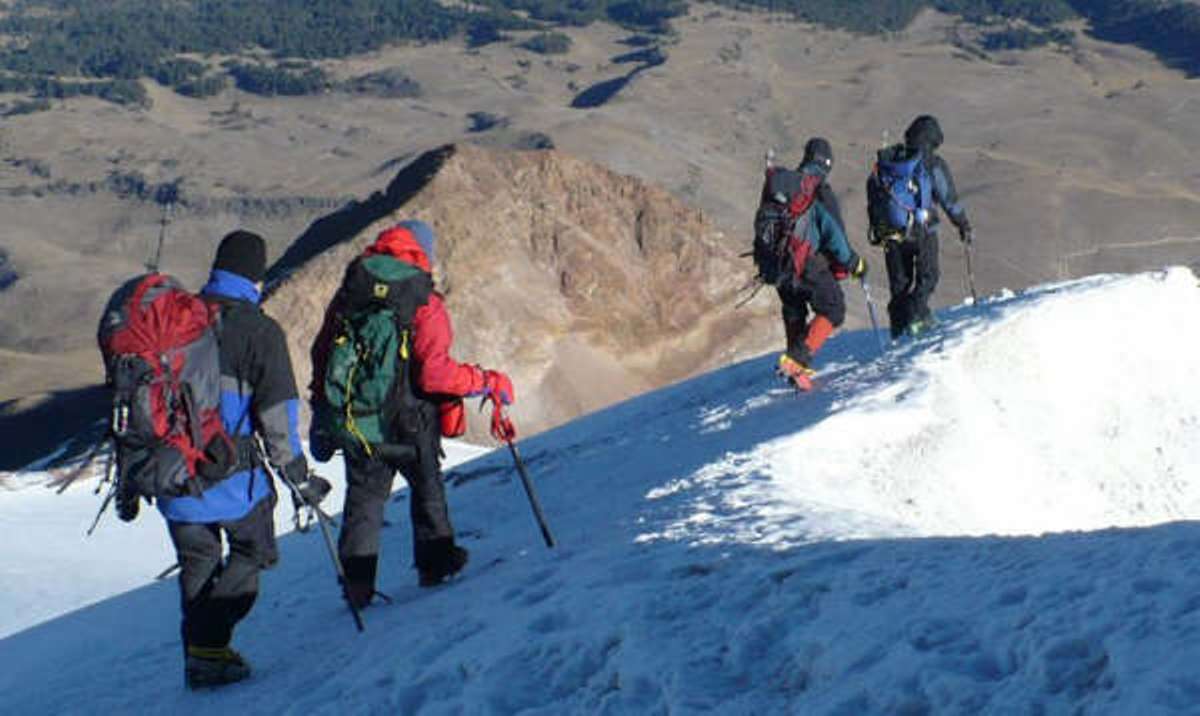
162	363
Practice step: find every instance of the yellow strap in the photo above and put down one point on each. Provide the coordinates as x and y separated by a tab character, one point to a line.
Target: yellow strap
352	426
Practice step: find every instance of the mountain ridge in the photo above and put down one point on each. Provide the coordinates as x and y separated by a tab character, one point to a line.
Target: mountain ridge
563	271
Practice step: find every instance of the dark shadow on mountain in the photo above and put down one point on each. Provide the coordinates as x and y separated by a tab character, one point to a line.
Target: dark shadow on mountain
638	40
8	275
35	432
347	222
1169	30
651	57
601	92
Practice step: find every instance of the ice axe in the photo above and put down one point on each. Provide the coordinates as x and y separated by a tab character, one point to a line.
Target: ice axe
503	430
967	248
862	281
322	520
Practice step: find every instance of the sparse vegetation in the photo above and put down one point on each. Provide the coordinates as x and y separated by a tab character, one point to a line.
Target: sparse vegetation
1024	38
548	43
63	48
483	121
280	79
27	106
391	83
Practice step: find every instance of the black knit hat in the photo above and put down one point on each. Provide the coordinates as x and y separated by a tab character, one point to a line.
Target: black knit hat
818	150
243	253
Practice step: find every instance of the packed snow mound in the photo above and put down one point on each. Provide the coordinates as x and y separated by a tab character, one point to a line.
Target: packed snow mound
1070	406
728	546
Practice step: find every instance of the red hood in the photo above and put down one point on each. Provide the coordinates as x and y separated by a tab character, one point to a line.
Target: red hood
399	243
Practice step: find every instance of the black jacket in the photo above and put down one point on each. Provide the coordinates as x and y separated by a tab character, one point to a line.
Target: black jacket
258	393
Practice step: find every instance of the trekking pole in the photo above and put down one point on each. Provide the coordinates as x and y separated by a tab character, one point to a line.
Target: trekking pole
862	281
110	478
321	521
533	500
166	195
502	429
167	572
757	286
970	274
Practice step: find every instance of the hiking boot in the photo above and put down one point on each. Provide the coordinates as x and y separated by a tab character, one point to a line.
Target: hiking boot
920	326
451	565
214	666
799	374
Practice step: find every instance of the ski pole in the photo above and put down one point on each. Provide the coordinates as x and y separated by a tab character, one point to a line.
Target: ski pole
533	500
970	273
321	521
862	281
110	478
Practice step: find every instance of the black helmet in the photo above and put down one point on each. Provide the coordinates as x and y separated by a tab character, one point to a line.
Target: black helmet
923	133
818	150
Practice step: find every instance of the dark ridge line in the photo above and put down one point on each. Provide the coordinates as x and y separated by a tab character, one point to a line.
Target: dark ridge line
348	221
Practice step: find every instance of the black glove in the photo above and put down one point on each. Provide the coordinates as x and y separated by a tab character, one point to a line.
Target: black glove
311	488
320	443
127	501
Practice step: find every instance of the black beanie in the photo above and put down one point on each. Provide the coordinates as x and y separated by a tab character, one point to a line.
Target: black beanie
243	253
817	149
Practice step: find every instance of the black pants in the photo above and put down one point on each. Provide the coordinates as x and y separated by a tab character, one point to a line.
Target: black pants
913	273
816	289
368	486
218	593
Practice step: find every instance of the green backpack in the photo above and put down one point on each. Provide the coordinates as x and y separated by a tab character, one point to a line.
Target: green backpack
367	383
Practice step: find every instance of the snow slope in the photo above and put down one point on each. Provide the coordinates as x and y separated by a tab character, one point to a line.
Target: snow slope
996	518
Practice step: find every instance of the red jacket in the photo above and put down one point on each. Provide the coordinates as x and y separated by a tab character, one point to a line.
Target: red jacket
436	373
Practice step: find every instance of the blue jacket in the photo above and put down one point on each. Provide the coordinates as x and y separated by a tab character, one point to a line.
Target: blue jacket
258	392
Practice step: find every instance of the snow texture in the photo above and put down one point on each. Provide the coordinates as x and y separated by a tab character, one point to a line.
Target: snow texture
994	518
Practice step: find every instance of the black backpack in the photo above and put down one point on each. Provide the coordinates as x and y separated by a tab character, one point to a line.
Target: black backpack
780	249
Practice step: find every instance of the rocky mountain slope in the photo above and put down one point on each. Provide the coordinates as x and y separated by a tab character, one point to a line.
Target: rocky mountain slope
589	286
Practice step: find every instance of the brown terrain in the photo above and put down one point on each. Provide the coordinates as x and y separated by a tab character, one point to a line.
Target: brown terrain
1071	161
588	286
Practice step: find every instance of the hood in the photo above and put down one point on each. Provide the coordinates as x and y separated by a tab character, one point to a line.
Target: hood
924	133
398	242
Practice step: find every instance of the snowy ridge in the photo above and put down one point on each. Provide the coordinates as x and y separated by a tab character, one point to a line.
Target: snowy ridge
729	547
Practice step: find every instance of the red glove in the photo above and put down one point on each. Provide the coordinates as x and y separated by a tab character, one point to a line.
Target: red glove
496	385
502	428
453	418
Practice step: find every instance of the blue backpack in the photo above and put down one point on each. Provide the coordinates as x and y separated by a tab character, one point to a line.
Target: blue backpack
900	195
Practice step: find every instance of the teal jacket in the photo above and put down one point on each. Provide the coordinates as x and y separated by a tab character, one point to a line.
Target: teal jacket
826	236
